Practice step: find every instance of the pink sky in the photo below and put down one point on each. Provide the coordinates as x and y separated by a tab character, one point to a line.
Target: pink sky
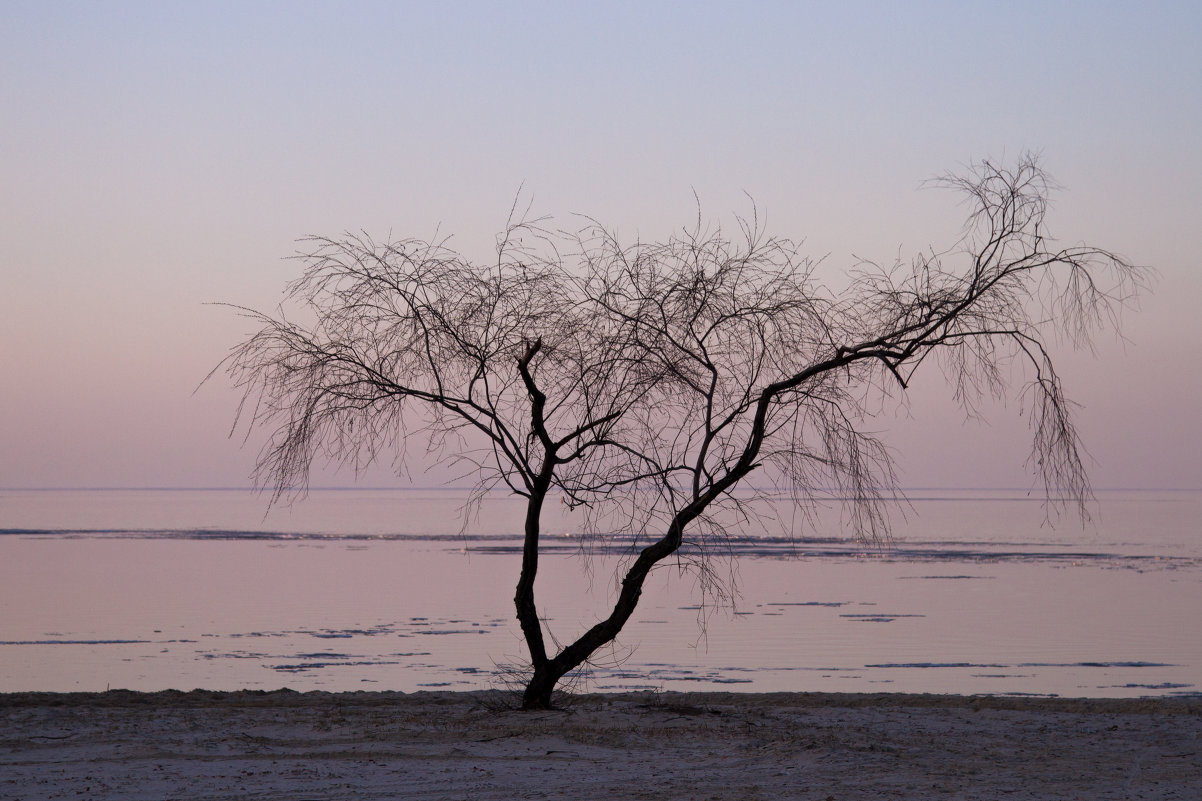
161	156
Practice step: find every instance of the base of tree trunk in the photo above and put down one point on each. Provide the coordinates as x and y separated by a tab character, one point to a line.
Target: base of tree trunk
538	693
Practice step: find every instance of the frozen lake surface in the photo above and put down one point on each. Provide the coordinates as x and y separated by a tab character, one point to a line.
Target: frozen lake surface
388	589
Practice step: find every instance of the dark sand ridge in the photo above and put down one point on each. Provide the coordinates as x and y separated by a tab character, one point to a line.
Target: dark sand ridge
445	745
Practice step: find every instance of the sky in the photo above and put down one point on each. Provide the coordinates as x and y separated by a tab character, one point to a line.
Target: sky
156	158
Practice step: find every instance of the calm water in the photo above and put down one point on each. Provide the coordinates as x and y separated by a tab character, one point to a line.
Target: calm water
375	589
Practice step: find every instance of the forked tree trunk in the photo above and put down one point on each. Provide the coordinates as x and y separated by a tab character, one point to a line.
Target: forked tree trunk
548	672
539	689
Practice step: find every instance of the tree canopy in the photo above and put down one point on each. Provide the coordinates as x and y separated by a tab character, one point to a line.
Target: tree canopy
644	382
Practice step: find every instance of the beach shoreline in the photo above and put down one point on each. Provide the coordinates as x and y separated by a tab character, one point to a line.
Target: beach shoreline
713	745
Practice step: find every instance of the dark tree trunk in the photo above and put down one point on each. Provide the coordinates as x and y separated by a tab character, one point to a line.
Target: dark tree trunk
539	689
548	672
523	599
547	675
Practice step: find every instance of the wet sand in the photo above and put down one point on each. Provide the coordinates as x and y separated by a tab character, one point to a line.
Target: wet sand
287	745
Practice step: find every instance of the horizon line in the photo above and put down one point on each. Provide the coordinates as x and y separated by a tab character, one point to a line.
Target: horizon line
446	488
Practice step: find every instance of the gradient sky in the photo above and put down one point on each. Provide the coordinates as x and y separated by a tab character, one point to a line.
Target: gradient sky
157	156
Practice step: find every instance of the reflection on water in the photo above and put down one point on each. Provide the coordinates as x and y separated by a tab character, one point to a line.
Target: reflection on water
396	590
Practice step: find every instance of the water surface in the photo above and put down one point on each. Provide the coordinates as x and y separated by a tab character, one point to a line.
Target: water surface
395	589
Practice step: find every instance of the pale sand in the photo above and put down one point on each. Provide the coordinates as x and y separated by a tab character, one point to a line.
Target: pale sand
285	745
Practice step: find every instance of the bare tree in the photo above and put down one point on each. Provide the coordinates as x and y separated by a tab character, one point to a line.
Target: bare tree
644	382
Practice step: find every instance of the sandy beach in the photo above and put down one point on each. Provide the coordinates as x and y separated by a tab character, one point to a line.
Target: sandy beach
288	745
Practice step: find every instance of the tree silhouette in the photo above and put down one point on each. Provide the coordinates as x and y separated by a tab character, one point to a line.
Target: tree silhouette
642	383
